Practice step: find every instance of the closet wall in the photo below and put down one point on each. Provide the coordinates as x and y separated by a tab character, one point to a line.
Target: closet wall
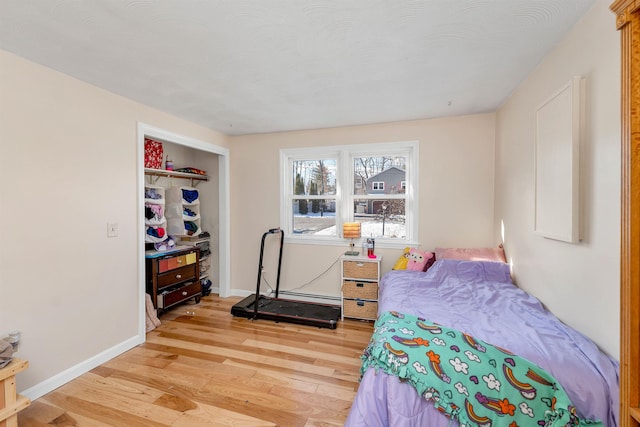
209	195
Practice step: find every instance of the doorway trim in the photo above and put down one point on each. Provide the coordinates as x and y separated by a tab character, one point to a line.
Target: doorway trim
145	130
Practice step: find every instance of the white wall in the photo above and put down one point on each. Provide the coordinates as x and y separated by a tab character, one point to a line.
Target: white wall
579	283
456	194
69	162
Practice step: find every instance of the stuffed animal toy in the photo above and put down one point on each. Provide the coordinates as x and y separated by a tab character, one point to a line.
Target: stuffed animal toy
418	259
401	264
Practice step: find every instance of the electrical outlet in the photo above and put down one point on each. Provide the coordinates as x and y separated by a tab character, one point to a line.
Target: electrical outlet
112	229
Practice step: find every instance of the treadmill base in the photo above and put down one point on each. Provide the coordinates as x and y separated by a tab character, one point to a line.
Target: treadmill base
283	310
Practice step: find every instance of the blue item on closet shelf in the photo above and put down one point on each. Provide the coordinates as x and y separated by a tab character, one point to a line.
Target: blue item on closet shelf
191	227
165	245
190	195
189	212
151	193
155	231
206	287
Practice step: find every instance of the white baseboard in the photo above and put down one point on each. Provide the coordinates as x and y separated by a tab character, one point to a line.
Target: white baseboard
64	377
240	293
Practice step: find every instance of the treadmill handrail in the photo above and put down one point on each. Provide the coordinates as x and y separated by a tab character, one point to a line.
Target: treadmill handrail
264	236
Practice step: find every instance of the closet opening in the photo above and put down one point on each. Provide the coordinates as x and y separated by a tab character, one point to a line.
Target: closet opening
182	168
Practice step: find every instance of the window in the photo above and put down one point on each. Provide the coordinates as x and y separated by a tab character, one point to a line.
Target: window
313	202
374	184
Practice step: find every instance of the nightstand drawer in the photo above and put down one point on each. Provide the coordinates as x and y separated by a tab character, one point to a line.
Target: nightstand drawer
360	279
360	270
360	309
362	290
176	276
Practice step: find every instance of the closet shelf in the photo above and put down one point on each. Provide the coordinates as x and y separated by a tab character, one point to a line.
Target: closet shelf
158	173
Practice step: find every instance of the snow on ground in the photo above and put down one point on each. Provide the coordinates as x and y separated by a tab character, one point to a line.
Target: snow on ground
371	229
325	226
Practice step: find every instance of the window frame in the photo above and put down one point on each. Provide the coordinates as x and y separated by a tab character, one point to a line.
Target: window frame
373	185
345	186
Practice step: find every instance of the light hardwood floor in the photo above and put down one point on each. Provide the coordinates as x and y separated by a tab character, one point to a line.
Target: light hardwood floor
203	367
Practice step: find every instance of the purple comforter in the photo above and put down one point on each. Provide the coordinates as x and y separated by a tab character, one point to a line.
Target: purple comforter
479	298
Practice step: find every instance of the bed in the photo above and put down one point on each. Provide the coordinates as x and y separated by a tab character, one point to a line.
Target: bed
478	298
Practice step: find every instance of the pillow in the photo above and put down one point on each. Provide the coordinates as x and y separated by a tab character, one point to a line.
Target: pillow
418	259
472	254
401	263
429	262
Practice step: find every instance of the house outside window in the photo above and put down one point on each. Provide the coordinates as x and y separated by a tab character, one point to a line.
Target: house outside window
374	184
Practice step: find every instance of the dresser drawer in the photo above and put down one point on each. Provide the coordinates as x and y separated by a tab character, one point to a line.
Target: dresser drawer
360	270
168	264
177	275
174	296
360	309
362	290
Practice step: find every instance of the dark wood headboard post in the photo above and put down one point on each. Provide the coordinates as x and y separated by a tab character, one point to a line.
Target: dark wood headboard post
628	22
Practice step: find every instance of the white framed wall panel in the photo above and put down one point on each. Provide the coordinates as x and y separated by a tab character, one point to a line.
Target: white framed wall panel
559	129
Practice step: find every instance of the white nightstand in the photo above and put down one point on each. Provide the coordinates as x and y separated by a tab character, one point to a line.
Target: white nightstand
360	277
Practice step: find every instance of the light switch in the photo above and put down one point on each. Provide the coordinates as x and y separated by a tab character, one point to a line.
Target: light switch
112	229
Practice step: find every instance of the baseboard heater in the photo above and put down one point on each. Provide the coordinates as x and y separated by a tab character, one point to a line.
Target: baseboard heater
310	297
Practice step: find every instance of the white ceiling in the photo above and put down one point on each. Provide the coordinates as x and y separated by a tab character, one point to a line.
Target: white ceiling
252	66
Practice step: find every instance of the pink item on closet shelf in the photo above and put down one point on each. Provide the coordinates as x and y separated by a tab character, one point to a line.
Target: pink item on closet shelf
153	154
